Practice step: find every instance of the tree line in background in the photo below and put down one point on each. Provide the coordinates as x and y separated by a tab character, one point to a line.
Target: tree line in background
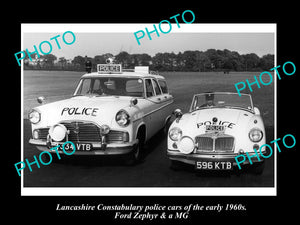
201	61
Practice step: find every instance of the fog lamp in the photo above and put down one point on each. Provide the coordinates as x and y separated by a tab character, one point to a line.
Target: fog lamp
35	134
105	129
241	152
58	132
256	147
186	145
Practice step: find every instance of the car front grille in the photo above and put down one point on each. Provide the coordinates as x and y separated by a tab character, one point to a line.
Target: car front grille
224	143
205	143
87	132
212	143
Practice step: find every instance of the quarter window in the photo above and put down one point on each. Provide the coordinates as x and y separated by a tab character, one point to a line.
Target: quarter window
163	86
149	88
156	87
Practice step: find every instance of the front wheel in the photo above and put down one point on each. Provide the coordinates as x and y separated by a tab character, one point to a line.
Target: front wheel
135	156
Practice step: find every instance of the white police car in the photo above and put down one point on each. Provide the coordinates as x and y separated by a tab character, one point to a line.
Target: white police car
218	127
112	112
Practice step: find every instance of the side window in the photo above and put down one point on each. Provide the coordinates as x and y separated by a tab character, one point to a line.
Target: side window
163	86
110	84
156	87
86	86
149	88
134	87
96	86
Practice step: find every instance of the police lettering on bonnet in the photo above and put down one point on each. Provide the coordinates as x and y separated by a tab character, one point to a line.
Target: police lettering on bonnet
77	111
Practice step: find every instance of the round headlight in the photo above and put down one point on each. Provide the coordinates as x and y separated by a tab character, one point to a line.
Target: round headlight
58	132
34	116
186	145
255	135
175	133
122	118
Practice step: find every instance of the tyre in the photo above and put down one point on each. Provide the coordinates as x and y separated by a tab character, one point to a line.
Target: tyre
136	155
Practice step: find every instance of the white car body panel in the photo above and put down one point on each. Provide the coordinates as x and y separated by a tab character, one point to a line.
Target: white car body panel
151	112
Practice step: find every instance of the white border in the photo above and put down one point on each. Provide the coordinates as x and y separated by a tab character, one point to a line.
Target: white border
138	191
165	191
131	28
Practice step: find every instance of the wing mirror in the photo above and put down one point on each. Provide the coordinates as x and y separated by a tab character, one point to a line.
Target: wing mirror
133	102
256	111
178	114
41	99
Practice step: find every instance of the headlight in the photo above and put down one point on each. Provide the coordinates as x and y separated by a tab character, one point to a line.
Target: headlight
255	135
122	118
175	133
34	116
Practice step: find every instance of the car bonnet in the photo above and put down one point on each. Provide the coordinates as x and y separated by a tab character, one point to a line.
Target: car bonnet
85	108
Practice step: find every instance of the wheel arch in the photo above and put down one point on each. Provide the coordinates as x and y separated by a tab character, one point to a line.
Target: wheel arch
141	130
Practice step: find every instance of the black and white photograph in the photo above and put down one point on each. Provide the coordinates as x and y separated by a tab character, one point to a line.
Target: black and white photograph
145	113
165	113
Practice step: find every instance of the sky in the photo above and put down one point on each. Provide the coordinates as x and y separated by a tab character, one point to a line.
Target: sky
92	44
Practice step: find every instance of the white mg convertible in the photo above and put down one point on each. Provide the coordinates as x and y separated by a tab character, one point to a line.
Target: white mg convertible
218	127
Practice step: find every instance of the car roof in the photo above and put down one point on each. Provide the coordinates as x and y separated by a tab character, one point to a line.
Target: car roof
123	74
115	70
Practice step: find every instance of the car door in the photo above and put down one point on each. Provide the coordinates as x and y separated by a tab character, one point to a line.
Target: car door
161	101
166	100
151	116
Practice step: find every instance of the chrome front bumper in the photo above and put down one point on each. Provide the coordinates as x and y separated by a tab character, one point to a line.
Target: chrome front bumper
196	157
98	148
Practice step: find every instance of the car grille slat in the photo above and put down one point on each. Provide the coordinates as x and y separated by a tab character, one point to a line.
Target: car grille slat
87	132
117	136
224	143
218	144
83	132
205	143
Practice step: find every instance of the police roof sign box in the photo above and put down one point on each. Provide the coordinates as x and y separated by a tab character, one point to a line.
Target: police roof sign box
109	68
141	69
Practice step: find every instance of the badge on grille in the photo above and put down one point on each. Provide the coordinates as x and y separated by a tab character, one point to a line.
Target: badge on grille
76	128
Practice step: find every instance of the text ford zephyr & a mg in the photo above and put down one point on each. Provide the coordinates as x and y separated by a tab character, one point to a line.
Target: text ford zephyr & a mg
112	112
218	127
